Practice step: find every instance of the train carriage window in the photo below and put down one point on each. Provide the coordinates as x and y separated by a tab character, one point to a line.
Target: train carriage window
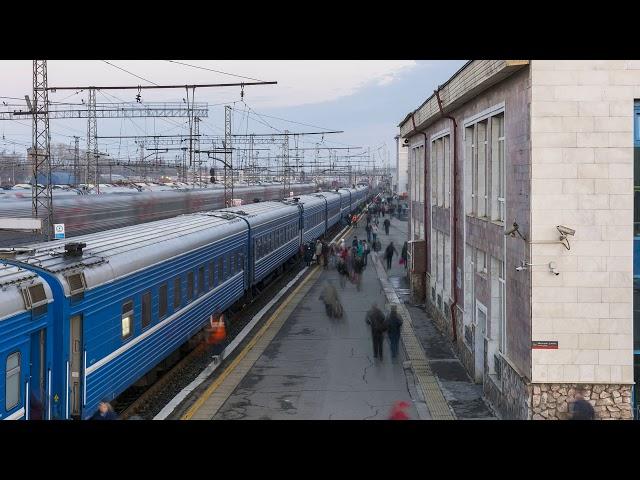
211	270
232	264
177	293
220	271
162	300
201	280
12	381
146	309
190	286
127	319
240	261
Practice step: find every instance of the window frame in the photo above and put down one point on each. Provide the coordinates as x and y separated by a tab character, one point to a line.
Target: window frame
127	314
145	298
177	292
163	300
191	284
9	375
201	279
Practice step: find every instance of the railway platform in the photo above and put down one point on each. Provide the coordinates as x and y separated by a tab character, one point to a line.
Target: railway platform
302	364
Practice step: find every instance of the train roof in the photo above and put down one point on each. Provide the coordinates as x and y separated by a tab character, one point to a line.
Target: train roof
113	254
262	212
328	195
12	280
310	200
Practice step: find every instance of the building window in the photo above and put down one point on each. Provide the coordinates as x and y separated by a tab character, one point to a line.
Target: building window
485	158
177	293
190	286
496	332
127	319
497	168
482	181
12	381
502	332
470	172
162	300
446	187
201	280
146	309
481	262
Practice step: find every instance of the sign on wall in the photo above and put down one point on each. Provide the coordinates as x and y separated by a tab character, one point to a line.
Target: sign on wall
58	230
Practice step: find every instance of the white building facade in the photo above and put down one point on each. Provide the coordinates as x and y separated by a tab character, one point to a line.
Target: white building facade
538	310
401	177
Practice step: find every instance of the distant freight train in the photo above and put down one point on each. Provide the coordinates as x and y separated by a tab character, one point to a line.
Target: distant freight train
84	214
82	320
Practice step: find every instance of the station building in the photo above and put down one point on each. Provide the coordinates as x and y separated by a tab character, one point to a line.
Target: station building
400	178
521	185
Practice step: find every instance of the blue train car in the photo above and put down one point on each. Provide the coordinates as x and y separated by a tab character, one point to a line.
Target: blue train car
82	321
345	202
274	235
332	200
133	297
314	217
25	345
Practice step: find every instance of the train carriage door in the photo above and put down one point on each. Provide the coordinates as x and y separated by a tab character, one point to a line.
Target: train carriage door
38	402
75	367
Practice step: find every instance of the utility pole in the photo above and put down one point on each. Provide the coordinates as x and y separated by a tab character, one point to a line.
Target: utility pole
76	162
196	161
41	195
286	180
228	159
93	175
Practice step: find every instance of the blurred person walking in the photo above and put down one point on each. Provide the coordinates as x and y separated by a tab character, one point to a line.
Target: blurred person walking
394	324
375	319
388	254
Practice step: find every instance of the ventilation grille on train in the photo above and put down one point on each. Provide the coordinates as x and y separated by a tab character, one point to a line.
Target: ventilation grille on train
35	298
77	283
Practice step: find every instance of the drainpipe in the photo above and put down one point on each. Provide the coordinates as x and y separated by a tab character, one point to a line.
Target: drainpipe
427	186
454	208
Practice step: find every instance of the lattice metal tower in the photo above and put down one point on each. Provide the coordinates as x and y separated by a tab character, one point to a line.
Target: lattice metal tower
93	170
286	171
197	174
76	162
41	197
228	158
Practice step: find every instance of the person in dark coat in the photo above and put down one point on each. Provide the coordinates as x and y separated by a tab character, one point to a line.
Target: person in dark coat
325	255
105	412
387	224
368	229
375	319
405	254
581	409
354	242
308	255
388	254
394	323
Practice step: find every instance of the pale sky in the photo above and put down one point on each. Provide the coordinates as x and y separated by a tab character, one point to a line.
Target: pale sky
365	98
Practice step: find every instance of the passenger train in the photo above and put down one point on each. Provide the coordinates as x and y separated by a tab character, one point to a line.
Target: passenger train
83	320
82	214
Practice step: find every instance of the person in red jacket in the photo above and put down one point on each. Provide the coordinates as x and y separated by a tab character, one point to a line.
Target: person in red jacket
398	413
